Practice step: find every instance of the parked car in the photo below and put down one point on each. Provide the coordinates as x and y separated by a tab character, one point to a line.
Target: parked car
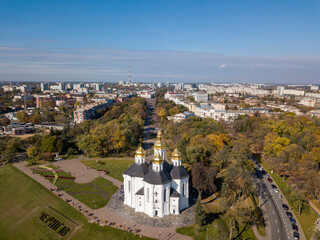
296	236
279	195
285	207
270	180
289	214
292	220
294	227
274	188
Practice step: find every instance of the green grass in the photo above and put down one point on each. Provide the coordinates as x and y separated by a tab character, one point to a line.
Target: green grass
114	167
95	194
308	217
21	202
89	192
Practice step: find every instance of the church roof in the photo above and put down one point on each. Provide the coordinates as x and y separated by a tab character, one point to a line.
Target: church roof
174	193
140	191
178	172
157	159
176	155
156	178
141	152
137	170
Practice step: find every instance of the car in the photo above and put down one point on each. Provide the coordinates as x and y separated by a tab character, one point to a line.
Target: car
294	227
274	188
296	236
278	195
292	220
289	214
285	207
270	180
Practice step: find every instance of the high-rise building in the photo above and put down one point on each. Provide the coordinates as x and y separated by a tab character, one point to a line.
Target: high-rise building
44	86
280	90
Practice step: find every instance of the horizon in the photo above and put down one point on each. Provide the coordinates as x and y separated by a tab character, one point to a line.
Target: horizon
266	42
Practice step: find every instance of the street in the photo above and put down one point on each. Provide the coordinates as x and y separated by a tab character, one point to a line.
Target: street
275	216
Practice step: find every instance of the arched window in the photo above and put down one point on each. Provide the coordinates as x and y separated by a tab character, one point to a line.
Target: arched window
182	189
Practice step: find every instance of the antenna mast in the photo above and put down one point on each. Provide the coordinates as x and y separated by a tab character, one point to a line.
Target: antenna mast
129	75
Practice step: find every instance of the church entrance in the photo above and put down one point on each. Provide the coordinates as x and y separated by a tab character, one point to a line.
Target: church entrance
156	213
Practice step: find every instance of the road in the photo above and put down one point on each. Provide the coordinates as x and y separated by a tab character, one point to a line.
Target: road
150	128
275	216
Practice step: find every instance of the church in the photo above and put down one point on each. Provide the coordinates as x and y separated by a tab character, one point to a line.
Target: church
159	188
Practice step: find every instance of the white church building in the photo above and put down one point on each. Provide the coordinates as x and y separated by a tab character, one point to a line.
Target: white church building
159	188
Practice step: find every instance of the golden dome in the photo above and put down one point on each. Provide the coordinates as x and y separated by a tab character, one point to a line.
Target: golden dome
157	159
176	155
159	135
159	144
140	152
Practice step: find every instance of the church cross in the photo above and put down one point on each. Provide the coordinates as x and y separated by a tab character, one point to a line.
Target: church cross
156	194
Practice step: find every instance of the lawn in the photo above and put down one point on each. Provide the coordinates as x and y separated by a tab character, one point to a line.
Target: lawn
21	202
95	194
308	216
115	167
218	228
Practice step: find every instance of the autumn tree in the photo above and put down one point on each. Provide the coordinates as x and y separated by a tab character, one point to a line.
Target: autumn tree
22	116
203	178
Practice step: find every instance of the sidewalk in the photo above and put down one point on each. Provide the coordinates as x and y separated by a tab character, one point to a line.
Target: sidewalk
102	213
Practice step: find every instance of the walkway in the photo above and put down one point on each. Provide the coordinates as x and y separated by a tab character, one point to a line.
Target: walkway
83	174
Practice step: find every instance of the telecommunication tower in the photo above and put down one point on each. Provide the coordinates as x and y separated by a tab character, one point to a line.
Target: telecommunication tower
129	81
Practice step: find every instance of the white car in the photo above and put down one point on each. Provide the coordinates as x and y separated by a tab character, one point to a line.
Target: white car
279	195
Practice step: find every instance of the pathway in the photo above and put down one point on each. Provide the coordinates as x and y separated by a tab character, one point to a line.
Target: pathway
84	174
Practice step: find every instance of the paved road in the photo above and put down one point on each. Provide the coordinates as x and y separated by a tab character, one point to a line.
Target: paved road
278	224
150	129
83	175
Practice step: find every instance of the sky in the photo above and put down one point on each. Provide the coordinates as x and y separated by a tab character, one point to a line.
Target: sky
275	41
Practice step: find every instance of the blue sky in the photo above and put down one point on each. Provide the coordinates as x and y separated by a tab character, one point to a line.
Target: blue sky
224	41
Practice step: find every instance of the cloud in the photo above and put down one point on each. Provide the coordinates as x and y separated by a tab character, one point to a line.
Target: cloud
101	64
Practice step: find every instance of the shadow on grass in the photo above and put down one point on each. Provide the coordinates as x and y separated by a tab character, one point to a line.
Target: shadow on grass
210	217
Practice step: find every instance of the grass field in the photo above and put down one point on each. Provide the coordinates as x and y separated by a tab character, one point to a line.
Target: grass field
218	228
21	202
95	194
115	167
308	216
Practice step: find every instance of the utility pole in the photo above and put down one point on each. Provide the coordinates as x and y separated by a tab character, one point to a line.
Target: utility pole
25	101
207	234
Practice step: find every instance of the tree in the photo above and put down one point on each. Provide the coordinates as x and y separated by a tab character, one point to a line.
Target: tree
48	143
22	116
203	178
89	143
36	119
32	152
200	216
4	121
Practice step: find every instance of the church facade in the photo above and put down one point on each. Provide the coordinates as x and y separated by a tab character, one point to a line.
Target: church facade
159	188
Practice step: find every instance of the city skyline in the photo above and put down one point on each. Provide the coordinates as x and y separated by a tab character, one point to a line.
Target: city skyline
265	42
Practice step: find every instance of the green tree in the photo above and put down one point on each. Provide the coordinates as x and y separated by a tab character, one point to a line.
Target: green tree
200	216
48	143
32	152
22	116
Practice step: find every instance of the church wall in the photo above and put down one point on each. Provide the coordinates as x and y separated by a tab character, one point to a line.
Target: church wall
137	183
174	206
148	200
139	203
128	196
184	199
